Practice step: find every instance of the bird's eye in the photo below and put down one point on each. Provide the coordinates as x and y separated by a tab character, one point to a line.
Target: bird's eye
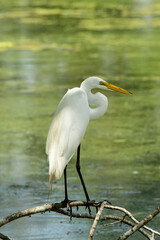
103	83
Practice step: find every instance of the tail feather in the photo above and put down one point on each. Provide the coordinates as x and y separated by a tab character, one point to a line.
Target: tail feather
50	185
50	181
53	175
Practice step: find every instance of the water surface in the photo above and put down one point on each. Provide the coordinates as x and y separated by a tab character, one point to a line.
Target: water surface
48	47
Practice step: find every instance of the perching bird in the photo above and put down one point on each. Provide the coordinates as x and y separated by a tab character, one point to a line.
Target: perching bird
77	107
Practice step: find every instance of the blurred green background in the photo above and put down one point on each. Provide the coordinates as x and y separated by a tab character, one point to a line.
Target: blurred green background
47	47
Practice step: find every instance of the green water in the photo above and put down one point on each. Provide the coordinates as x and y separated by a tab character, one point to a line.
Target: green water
47	47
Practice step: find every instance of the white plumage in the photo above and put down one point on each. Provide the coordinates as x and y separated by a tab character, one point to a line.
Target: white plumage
67	130
70	121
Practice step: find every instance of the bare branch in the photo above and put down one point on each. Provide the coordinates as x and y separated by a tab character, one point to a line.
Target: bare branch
130	216
140	224
103	218
96	220
58	207
27	212
123	220
152	237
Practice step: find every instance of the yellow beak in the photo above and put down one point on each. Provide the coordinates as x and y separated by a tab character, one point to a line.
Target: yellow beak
115	88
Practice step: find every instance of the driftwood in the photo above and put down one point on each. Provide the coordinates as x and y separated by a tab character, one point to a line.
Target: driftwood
126	218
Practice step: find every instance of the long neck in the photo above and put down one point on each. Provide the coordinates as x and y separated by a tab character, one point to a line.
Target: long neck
97	102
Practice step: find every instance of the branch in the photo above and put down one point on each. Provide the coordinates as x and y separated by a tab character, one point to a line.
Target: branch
96	220
27	212
140	224
58	207
103	218
127	222
131	217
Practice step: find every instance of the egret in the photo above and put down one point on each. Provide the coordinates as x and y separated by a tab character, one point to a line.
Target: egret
77	107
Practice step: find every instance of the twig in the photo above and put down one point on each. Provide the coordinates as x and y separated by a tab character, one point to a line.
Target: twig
152	237
131	217
140	224
96	220
112	223
123	220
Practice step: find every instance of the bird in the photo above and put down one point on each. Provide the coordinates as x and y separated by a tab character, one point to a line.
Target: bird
76	109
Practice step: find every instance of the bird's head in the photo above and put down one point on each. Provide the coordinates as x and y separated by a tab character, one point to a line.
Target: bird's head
96	82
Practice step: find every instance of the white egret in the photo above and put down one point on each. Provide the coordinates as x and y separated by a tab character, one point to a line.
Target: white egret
77	107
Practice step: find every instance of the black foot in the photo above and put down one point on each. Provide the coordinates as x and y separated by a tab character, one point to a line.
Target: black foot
88	204
101	203
107	202
67	202
92	202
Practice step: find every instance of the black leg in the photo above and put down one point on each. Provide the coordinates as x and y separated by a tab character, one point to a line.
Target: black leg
66	200
65	185
80	175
